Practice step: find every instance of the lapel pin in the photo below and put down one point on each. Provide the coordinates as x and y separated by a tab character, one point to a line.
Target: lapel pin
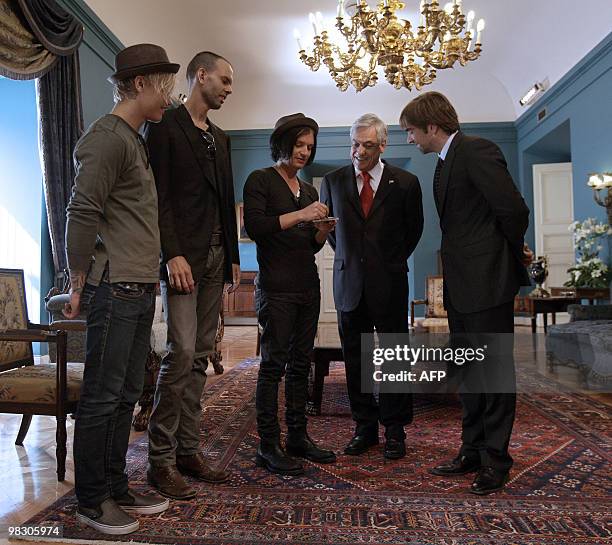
391	182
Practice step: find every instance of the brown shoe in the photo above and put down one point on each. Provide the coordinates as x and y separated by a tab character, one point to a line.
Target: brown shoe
169	482
194	465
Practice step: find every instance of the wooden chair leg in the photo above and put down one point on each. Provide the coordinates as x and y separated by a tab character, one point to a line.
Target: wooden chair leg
60	447
26	420
258	345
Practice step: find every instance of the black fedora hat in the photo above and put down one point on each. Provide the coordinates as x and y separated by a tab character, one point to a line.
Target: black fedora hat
293	120
141	59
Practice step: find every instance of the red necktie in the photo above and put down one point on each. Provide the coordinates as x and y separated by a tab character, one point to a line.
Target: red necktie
367	194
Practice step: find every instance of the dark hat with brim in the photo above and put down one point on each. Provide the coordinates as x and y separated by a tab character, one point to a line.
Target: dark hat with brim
288	122
140	60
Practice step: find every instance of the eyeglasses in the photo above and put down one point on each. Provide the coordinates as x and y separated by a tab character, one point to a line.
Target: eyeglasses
209	140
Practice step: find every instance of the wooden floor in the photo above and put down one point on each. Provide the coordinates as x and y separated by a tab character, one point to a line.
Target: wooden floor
29	481
28	473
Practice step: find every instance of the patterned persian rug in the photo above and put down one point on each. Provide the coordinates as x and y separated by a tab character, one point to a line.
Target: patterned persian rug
559	493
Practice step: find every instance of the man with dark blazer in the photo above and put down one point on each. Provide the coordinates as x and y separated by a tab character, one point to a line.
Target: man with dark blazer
483	219
191	160
380	223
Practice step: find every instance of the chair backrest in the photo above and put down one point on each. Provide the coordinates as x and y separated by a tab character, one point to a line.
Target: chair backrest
435	298
13	315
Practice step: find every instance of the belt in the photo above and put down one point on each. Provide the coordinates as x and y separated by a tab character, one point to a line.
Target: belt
147	287
216	239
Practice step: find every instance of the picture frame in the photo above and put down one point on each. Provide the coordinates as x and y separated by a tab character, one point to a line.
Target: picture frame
242	234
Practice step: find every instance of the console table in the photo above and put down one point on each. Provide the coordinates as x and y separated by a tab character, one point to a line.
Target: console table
532	306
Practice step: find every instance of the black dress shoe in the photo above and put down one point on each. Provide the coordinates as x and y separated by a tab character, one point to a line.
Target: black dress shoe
489	480
394	449
273	458
304	447
359	444
458	466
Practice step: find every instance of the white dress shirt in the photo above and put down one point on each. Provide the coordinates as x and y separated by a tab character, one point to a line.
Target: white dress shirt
375	174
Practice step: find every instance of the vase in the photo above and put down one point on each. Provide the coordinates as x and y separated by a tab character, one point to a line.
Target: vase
538	271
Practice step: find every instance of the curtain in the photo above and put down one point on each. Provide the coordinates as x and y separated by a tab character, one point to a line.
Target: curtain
22	56
40	39
61	124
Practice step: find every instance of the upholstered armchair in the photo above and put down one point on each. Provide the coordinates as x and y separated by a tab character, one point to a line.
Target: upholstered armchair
435	313
30	388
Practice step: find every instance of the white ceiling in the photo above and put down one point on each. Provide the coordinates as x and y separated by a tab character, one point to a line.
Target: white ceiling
524	41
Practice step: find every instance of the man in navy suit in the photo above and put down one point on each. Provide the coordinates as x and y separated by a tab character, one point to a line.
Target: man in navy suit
380	223
483	219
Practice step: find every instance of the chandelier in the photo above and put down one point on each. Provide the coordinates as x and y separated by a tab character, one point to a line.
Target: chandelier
359	43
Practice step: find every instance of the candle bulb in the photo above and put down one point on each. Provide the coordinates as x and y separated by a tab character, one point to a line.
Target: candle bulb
470	20
297	36
320	21
480	27
313	22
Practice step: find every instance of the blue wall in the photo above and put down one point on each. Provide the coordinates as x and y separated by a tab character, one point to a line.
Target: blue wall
250	151
580	103
97	55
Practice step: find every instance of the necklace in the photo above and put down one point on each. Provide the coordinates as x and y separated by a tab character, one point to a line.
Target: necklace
289	182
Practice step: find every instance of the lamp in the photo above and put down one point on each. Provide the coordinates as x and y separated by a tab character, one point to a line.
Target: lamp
599	182
376	37
534	92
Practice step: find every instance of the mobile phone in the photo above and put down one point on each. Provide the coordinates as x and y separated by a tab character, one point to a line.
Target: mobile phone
325	220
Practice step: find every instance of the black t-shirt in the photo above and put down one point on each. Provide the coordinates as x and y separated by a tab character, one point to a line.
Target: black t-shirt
286	258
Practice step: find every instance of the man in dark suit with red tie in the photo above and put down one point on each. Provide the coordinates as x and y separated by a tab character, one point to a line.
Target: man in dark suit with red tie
483	219
380	223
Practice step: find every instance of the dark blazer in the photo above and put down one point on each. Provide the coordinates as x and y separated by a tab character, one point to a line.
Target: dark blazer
186	193
483	218
371	253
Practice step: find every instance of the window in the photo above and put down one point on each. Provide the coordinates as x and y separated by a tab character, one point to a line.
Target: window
20	186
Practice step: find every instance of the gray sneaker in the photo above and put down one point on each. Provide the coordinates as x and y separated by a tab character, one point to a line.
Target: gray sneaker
107	518
133	502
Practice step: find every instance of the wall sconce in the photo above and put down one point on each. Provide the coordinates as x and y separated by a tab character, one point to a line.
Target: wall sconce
534	92
599	182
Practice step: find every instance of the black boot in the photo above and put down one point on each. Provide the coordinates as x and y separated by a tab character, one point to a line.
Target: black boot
304	447
271	456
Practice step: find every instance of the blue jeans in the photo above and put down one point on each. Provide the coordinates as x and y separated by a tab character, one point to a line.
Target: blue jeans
119	319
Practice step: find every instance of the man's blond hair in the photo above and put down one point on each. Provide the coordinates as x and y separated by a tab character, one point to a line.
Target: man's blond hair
162	82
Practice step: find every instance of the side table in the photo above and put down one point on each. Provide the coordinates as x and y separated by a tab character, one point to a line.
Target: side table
532	306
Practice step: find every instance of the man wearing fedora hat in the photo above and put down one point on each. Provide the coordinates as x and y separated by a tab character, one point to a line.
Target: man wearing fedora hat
112	246
380	213
190	156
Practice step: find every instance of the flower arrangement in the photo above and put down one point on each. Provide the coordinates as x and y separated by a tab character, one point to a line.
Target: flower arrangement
589	271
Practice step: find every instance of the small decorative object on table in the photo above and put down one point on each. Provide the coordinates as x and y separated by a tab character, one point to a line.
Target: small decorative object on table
589	271
538	270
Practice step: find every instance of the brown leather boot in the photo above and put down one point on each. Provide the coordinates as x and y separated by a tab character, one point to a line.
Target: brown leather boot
169	482
194	465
